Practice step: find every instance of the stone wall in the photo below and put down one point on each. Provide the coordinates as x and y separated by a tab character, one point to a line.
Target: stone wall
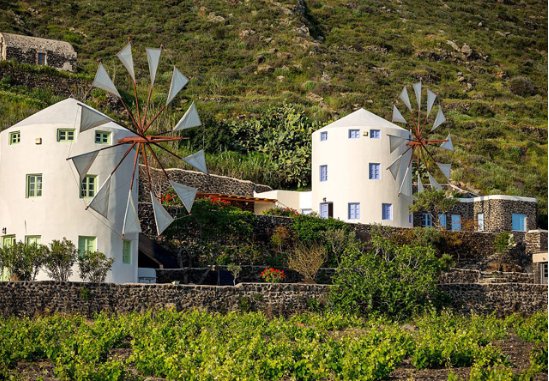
536	241
203	182
29	56
501	298
37	298
464	276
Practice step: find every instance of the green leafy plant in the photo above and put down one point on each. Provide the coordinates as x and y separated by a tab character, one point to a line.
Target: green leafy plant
60	259
23	261
235	270
272	275
94	266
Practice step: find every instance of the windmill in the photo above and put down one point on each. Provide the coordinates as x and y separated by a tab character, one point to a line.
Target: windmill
419	148
141	141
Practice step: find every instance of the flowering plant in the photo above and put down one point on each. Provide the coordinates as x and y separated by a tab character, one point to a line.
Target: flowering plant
216	200
169	199
272	275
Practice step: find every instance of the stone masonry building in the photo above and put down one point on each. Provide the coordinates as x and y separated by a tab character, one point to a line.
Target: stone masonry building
37	51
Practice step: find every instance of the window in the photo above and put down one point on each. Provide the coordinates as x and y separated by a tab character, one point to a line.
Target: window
323	136
323	173
375	134
374	172
40	58
426	220
15	137
324	210
102	137
518	222
354	211
456	222
442	220
86	244
34	185
126	252
65	135
306	211
32	239
480	222
89	186
387	212
354	134
8	240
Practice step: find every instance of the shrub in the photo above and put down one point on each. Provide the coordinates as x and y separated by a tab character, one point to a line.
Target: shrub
23	261
271	275
59	260
235	270
307	260
522	86
391	279
282	212
93	266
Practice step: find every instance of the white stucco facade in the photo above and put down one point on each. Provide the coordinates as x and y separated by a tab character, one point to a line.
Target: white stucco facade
346	149
60	211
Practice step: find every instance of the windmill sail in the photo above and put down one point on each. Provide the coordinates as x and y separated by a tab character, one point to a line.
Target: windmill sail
131	218
90	118
100	203
189	120
104	82
445	169
433	182
439	119
186	194
405	98
125	56
198	161
397	116
153	58
417	91
178	82
395	142
161	216
405	186
420	187
447	144
430	101
394	168
83	162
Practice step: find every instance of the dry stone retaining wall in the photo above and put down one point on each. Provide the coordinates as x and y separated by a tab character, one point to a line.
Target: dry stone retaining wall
35	298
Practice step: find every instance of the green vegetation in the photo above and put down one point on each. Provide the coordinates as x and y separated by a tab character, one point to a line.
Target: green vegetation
487	63
198	345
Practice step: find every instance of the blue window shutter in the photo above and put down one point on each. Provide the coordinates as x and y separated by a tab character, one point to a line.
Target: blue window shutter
518	222
442	220
456	222
323	173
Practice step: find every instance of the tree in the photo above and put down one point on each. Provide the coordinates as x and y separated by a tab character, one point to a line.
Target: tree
94	266
433	202
503	243
389	279
23	261
235	270
60	260
307	260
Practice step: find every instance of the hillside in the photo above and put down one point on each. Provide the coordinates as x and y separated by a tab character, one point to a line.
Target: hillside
487	60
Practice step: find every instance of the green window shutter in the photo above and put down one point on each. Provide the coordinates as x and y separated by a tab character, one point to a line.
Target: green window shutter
65	134
102	137
15	137
32	239
86	244
34	185
127	252
88	187
8	240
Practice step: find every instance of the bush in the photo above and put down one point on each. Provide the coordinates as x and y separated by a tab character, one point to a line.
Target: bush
23	261
271	275
391	279
94	266
59	260
307	260
522	86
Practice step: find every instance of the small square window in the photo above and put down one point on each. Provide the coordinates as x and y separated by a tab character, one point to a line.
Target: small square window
354	211
102	137
127	252
354	134
15	137
65	135
32	239
34	185
323	136
88	187
374	171
518	222
323	173
375	134
387	212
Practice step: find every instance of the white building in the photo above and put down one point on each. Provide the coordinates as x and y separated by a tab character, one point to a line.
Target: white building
350	180
42	199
